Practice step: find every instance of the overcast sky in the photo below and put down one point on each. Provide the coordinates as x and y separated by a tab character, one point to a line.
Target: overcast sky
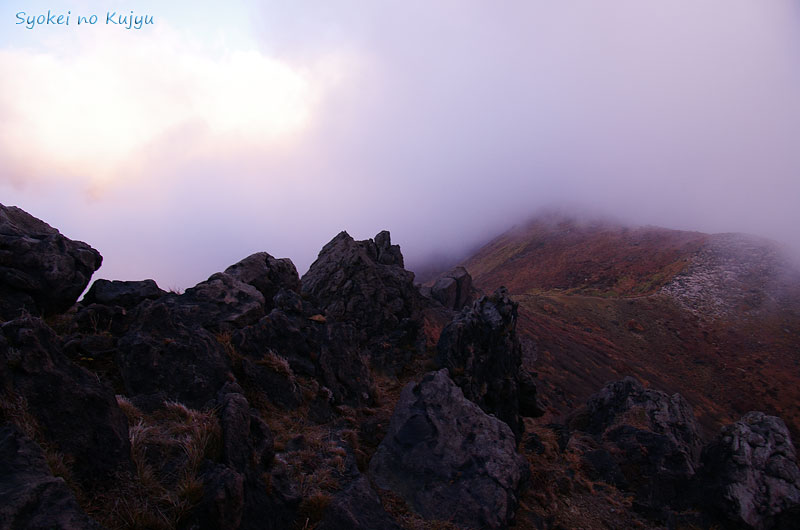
226	129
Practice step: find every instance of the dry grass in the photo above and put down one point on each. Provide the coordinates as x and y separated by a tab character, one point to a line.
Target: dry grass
276	363
168	449
14	409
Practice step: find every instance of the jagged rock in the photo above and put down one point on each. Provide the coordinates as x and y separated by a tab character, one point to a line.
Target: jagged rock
652	436
332	352
123	294
364	282
288	301
246	439
357	508
267	274
481	350
750	473
448	459
343	367
30	496
292	336
220	303
453	289
41	271
161	354
73	410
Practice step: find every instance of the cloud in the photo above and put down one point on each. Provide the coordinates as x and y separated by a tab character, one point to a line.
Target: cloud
98	110
445	122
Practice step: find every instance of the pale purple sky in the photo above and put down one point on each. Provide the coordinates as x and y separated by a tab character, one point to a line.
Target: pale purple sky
183	147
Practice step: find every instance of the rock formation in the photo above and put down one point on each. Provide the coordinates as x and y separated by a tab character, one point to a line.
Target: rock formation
30	496
648	441
41	271
364	282
448	459
481	350
453	289
66	405
750	473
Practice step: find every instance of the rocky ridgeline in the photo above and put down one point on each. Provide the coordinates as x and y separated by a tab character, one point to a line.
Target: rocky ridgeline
258	399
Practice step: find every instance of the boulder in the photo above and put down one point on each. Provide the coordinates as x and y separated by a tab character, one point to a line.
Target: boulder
30	496
41	271
160	354
448	459
124	294
481	350
364	283
246	439
653	438
453	289
750	474
72	409
267	274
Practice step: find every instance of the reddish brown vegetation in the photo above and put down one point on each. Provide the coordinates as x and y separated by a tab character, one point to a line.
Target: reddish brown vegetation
588	297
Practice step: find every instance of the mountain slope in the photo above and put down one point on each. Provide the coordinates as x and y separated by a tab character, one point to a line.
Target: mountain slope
713	317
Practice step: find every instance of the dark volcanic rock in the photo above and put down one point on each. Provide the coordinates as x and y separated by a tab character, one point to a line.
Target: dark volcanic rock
481	350
220	303
750	473
123	294
74	411
357	508
40	270
453	289
161	354
30	496
267	274
246	439
294	337
364	282
448	459
343	367
652	436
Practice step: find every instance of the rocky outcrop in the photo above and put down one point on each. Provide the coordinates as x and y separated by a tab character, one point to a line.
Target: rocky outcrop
267	274
41	271
161	355
30	496
294	340
220	303
246	439
71	409
481	350
648	441
364	283
750	474
448	459
454	289
124	294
